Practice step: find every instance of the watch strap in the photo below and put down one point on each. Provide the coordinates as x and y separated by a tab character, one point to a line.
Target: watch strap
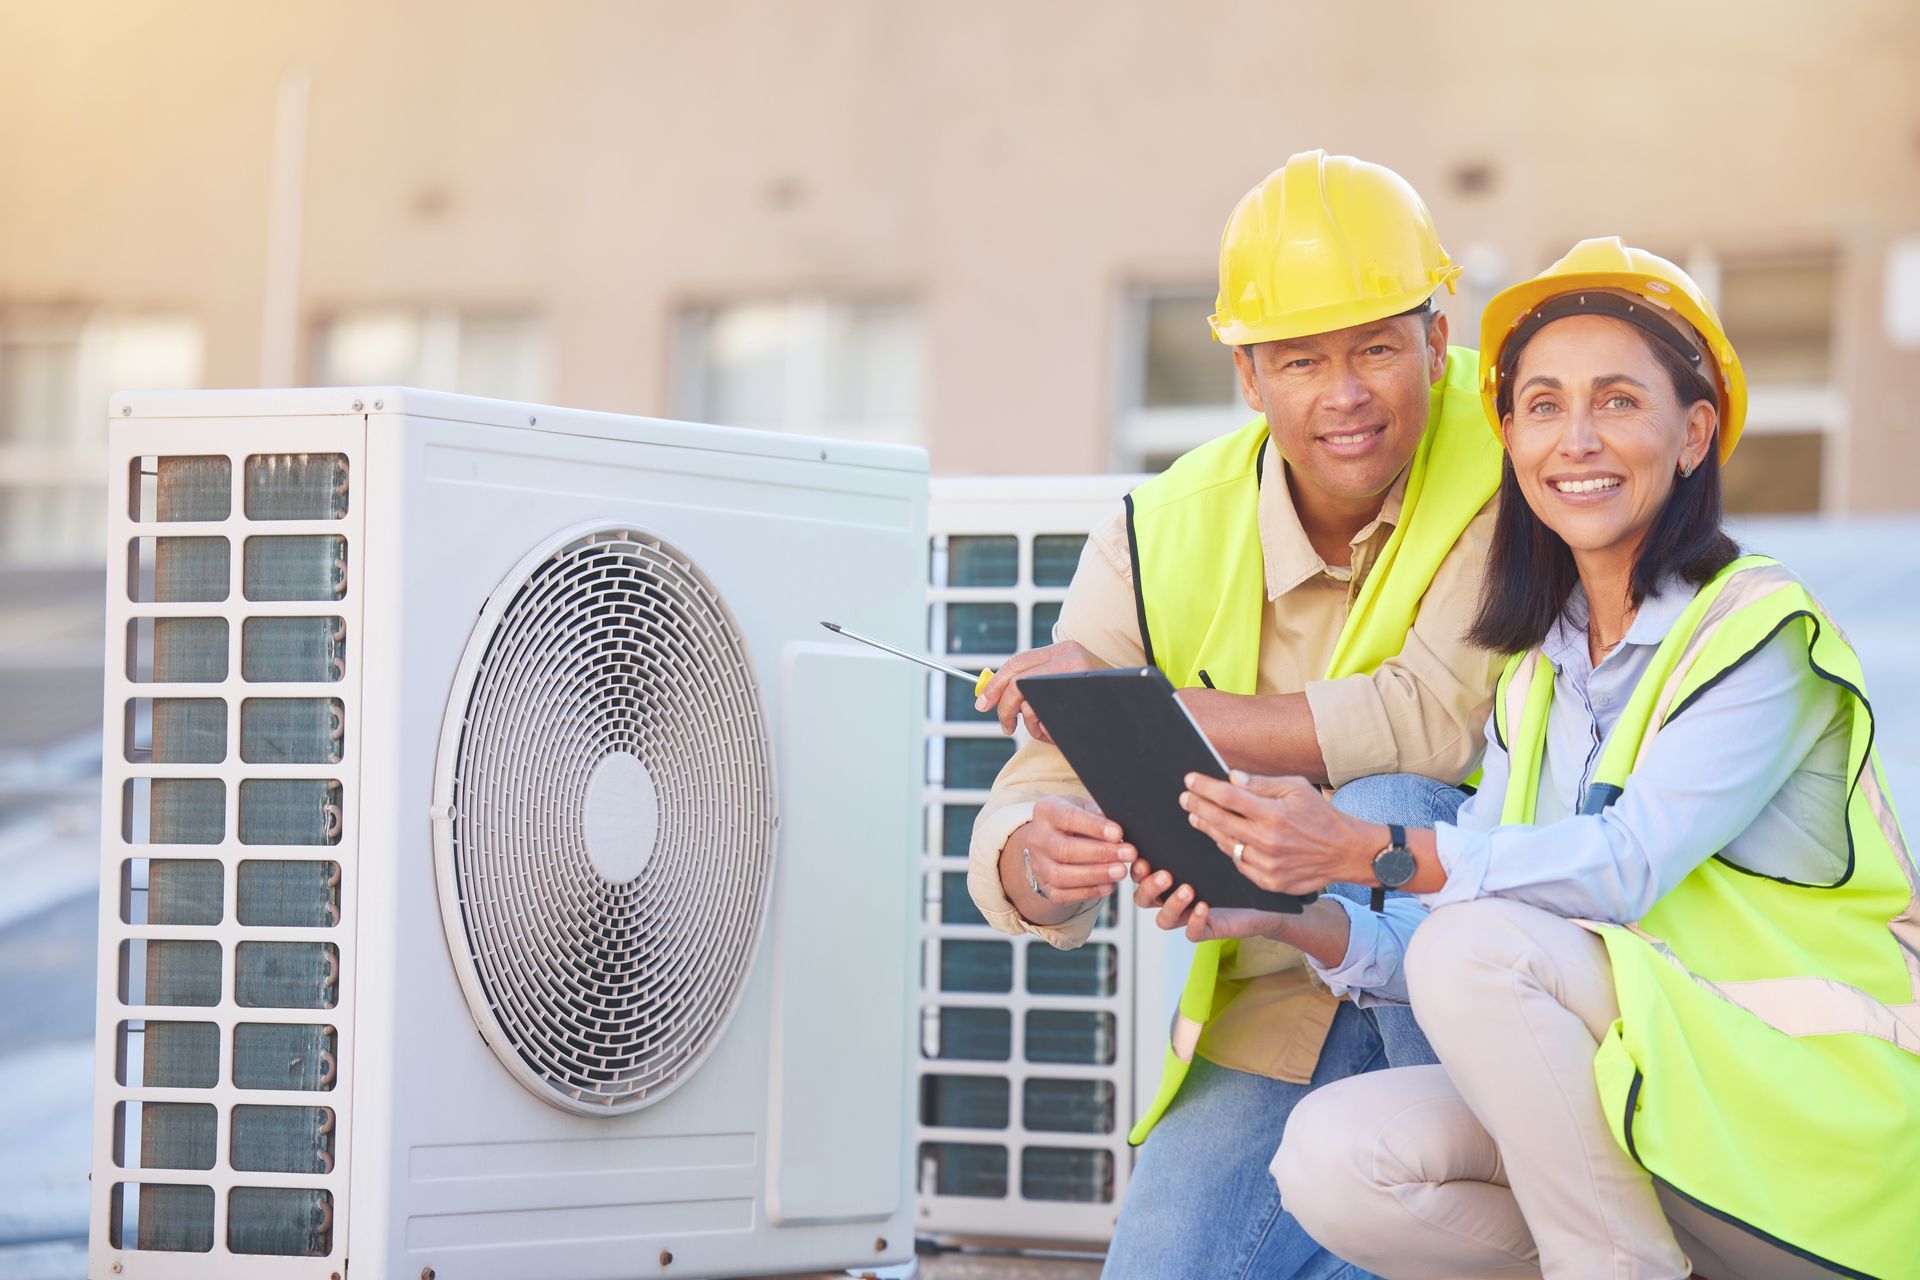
1396	839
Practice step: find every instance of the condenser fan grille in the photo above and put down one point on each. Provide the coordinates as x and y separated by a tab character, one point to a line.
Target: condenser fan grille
611	827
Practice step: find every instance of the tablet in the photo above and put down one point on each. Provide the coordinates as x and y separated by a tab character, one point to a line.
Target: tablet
1133	744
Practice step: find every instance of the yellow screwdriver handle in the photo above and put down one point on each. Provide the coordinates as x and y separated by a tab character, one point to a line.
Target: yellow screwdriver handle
980	685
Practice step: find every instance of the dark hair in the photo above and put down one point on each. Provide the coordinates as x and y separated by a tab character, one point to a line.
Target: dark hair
1530	571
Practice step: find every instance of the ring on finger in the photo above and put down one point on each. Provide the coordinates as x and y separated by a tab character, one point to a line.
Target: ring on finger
1033	881
1239	847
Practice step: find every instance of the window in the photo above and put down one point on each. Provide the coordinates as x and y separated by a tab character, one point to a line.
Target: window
57	370
1175	385
477	353
845	368
1777	472
1779	312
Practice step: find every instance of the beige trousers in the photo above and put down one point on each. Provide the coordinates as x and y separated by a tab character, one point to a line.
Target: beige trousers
1499	1162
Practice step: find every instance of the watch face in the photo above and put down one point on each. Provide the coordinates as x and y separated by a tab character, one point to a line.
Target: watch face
1394	867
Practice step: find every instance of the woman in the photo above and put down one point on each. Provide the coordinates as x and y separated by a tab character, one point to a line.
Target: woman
1673	970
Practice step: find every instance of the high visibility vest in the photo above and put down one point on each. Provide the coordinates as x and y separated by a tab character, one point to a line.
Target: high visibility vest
1200	587
1766	1062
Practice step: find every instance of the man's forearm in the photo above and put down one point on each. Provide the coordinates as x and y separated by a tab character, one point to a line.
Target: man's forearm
1013	882
1269	734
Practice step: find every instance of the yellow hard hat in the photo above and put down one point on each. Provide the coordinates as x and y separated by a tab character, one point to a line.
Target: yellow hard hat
1325	242
1619	278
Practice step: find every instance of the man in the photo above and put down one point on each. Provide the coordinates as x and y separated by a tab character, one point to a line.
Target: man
1307	582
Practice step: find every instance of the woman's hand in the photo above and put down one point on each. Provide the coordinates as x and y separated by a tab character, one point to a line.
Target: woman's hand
1175	909
1320	930
1291	839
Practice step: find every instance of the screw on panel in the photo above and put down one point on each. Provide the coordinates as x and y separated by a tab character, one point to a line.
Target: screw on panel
666	1258
126	411
426	1273
357	406
880	1245
377	404
116	1268
533	422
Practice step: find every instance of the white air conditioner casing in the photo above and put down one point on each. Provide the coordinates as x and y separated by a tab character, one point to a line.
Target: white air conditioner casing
779	1142
1034	1063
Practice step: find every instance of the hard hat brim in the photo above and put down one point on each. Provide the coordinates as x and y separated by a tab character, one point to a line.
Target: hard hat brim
1318	320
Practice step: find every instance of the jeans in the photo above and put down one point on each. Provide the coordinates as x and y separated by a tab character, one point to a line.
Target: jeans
1412	801
1201	1202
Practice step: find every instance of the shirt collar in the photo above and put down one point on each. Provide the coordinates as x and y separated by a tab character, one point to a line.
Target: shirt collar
1289	554
1566	640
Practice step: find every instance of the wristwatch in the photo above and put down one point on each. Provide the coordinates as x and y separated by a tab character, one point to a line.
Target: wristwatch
1393	866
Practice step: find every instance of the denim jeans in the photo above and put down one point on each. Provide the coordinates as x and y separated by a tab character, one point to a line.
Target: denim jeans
1201	1202
1412	801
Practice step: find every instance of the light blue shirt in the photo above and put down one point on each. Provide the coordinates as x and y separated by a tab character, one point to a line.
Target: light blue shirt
1756	769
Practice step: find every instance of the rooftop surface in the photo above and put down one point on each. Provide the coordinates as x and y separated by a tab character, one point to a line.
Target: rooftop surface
1866	571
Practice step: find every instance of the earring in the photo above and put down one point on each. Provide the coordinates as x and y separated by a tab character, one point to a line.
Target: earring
1685	471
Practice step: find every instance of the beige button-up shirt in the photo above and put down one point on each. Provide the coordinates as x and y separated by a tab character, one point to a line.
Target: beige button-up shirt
1420	712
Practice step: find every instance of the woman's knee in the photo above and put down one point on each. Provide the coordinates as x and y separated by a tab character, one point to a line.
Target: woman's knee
1352	1149
1456	950
1318	1168
1466	951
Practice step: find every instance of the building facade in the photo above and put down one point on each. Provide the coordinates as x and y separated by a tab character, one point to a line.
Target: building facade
989	230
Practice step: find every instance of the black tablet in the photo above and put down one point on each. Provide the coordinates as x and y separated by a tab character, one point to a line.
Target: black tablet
1133	744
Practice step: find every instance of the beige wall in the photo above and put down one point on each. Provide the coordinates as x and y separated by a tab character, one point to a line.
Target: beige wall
1014	166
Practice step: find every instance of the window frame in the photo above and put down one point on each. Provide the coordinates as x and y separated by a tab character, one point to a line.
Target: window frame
440	333
1140	431
809	332
1790	408
63	473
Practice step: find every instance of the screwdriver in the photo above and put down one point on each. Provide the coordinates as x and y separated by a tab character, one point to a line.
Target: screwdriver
979	682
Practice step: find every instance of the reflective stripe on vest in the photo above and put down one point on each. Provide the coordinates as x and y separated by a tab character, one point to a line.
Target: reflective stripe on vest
1200	588
1766	1063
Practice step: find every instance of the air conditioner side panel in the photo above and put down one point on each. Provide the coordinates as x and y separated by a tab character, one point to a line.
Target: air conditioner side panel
843	923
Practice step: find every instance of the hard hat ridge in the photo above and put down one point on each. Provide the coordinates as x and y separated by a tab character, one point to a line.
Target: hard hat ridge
1325	243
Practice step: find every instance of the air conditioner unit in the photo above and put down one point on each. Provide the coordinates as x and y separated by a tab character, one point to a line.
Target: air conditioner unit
503	874
1033	1061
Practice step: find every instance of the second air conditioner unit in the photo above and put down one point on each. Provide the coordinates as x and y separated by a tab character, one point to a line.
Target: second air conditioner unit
1034	1062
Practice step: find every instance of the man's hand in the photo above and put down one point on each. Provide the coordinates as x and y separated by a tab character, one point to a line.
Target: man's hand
1069	854
1002	694
1281	832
